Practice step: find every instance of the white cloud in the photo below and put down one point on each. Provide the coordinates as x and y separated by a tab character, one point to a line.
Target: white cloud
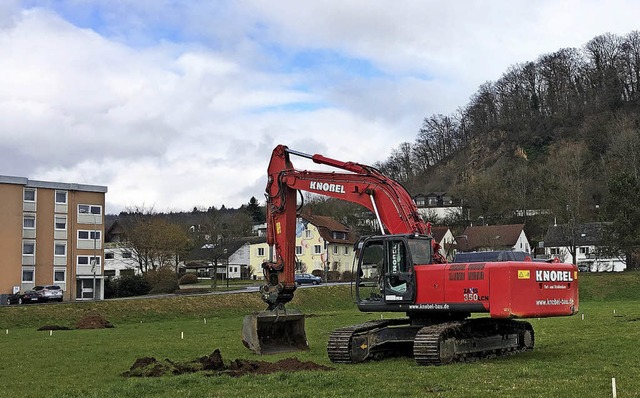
177	106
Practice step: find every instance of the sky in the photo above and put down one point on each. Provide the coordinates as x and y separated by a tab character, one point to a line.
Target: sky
176	104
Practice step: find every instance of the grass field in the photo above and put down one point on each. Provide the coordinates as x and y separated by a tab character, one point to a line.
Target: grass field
574	357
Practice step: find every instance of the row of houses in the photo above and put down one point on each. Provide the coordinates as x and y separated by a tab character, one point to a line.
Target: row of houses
54	233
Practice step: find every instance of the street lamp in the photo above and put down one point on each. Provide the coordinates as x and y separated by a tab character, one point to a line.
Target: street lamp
226	259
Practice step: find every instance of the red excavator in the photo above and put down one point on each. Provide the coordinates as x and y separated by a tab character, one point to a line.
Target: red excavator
401	270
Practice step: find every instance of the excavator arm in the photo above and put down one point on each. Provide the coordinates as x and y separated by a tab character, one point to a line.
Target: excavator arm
364	185
353	182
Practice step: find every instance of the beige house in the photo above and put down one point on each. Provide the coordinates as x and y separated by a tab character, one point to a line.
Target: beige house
51	233
322	243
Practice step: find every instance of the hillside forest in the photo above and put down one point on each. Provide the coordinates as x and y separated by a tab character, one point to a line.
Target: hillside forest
555	140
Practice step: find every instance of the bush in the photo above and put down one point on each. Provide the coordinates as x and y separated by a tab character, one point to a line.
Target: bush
347	276
333	276
131	285
318	272
188	279
161	274
162	280
110	286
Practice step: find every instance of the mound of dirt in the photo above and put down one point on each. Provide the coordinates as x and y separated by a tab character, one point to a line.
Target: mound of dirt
213	365
93	321
53	327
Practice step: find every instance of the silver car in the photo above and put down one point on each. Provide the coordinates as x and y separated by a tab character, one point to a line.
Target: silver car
50	292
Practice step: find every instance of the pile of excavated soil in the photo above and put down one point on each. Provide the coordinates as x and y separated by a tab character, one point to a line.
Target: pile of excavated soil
93	321
213	365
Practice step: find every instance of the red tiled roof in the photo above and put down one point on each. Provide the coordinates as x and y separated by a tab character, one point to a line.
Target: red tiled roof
490	236
327	225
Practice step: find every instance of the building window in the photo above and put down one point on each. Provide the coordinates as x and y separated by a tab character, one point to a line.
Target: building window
61	223
584	250
299	250
317	249
109	273
28	275
88	235
339	235
335	249
307	233
86	260
108	256
61	197
60	249
29	195
89	209
346	250
554	251
59	275
261	251
28	248
126	254
29	221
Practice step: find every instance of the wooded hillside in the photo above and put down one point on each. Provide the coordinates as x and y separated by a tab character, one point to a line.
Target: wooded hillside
559	134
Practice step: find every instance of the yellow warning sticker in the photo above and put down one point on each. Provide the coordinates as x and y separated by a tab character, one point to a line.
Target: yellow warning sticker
524	274
278	228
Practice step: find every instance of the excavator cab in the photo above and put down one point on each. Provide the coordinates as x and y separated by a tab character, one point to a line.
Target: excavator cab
385	269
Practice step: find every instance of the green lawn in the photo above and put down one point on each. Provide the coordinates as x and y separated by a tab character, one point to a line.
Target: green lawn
574	357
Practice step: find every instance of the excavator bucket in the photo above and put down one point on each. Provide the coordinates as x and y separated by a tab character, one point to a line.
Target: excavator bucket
272	332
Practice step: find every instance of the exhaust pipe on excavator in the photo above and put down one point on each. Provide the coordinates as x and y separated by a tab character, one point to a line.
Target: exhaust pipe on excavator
276	331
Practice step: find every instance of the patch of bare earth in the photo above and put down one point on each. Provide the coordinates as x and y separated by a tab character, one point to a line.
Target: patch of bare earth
93	321
213	365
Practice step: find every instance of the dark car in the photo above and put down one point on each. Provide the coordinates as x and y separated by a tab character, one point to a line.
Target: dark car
30	296
308	278
49	292
486	257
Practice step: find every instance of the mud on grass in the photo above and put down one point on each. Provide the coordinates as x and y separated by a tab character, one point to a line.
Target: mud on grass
213	365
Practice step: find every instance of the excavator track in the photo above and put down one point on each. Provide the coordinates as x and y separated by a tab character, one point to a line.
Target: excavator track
353	344
470	340
437	344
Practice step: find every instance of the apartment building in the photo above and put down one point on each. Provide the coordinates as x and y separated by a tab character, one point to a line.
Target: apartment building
51	233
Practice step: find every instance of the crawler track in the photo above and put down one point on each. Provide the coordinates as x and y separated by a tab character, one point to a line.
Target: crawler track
352	344
471	340
437	344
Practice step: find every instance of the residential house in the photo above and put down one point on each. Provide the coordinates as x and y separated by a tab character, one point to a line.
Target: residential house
444	237
589	243
494	237
118	261
437	206
51	233
225	260
322	243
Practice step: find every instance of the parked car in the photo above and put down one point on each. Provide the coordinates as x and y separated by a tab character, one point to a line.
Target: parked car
308	278
49	292
30	296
